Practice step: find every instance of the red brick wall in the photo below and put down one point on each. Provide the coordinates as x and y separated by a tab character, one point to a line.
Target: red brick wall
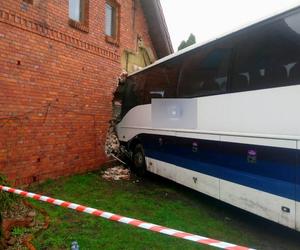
56	86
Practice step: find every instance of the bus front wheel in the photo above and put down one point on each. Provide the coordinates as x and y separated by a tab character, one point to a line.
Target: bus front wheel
138	160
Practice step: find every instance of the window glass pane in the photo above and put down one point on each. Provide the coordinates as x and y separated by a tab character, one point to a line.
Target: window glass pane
292	35
133	93
204	72
268	56
157	82
74	10
109	20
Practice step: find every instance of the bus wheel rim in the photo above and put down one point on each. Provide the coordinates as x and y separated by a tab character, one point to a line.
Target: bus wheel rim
138	159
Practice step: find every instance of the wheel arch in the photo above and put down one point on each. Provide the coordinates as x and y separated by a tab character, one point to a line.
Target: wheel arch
133	143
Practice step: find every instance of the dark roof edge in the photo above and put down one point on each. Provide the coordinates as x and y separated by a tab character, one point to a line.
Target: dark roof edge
157	27
164	23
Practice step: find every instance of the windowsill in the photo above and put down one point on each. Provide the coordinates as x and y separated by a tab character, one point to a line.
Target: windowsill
28	2
78	25
112	40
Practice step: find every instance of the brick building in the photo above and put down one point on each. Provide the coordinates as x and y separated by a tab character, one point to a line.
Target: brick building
59	63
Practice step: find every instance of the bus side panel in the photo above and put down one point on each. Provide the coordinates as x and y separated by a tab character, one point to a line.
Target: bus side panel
181	160
261	180
298	189
257	202
252	112
200	182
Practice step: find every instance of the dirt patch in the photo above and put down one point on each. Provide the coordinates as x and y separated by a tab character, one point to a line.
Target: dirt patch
18	211
20	225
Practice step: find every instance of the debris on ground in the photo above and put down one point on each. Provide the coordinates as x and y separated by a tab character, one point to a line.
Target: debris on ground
116	173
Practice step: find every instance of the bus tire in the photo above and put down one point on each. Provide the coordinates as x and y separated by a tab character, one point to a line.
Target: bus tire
138	160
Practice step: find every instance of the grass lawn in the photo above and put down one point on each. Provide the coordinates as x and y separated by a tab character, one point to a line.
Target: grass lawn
154	200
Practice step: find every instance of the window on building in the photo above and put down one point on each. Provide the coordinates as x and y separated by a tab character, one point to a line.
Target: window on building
78	14
111	21
77	10
28	1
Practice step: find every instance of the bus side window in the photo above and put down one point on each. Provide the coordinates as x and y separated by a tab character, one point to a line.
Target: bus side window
221	81
294	75
132	93
292	32
270	53
241	81
205	73
154	85
160	83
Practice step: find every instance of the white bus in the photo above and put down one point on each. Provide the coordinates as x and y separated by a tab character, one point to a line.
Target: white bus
223	118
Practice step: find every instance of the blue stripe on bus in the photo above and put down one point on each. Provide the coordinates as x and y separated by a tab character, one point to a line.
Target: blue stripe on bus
275	170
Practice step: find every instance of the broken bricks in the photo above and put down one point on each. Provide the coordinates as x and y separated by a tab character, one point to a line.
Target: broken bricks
112	143
116	173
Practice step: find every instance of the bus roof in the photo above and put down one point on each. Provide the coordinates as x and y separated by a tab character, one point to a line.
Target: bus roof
184	51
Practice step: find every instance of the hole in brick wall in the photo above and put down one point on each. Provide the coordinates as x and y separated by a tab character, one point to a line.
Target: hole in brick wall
18	62
57	99
34	178
38	160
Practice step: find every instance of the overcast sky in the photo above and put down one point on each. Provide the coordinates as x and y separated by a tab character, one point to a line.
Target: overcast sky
212	18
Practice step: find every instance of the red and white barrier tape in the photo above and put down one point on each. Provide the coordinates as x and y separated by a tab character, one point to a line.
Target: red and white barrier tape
126	220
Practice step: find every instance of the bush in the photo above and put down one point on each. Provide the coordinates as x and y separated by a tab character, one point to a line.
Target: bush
6	199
